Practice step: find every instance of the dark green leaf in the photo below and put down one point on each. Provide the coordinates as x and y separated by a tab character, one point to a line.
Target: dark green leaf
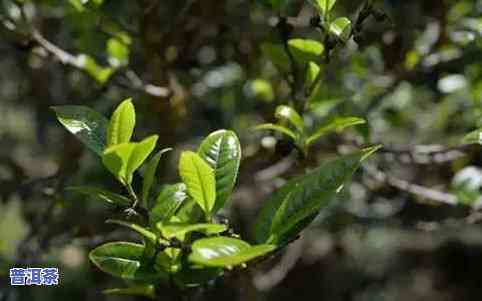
299	201
86	124
226	251
123	259
222	151
103	194
167	203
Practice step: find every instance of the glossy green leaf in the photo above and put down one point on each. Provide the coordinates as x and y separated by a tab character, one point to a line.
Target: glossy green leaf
143	290
305	50
226	251
150	173
286	113
222	151
150	236
122	160
171	230
103	194
324	6
335	125
140	153
341	28
169	200
122	123
123	259
474	137
116	158
86	124
299	201
277	128
199	179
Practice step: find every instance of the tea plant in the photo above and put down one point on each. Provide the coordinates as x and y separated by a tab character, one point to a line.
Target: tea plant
182	242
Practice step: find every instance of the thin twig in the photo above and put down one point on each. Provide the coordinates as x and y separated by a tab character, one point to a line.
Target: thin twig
132	80
421	191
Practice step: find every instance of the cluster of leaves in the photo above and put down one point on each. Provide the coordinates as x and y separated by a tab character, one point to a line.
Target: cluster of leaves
291	124
182	243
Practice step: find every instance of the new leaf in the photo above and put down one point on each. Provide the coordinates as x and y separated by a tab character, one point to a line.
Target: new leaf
122	124
199	179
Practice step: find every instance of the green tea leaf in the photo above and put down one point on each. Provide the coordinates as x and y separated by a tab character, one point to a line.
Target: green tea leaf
324	6
116	158
474	137
199	179
150	236
312	73
150	173
169	200
222	151
89	65
139	154
122	160
189	212
86	124
124	260
299	201
226	252
335	125
143	290
118	50
178	230
286	113
277	128
341	28
103	194
122	124
305	50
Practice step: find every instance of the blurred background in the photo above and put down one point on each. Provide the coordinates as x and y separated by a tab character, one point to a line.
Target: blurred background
407	227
